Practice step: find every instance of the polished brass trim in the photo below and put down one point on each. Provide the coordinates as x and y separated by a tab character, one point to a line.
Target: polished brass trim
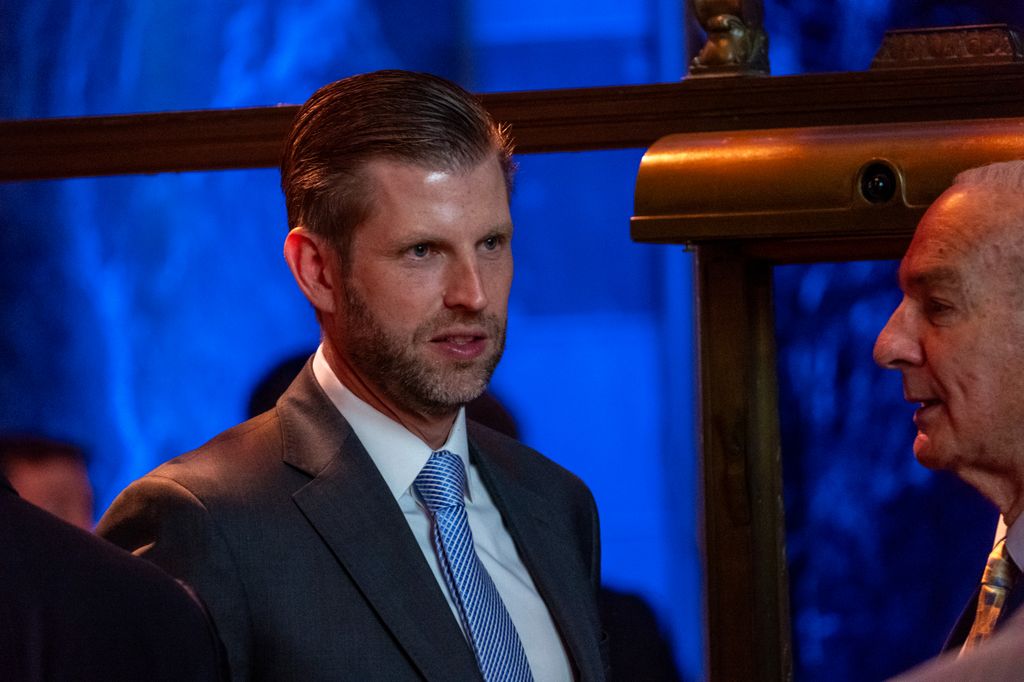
805	183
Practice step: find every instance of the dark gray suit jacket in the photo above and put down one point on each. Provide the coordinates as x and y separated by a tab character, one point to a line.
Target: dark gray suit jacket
962	628
288	532
76	608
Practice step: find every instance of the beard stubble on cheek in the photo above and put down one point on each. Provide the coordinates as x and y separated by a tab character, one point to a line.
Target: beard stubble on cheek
405	370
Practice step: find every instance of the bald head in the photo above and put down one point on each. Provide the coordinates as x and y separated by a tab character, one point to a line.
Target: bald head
982	217
1006	176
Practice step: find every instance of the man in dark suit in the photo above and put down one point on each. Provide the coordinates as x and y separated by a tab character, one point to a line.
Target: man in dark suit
363	528
74	607
958	340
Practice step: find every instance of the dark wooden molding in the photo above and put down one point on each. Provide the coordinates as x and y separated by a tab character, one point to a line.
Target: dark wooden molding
541	121
142	143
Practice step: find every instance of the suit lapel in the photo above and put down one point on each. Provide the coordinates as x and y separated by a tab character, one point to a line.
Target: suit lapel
351	508
541	537
958	635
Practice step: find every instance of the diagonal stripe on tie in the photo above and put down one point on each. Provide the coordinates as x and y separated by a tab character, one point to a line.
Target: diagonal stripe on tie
996	582
499	652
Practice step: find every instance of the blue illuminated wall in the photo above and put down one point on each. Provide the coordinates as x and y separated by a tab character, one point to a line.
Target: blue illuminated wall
139	312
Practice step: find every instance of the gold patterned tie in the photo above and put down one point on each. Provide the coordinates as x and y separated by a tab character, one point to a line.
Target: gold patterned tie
996	583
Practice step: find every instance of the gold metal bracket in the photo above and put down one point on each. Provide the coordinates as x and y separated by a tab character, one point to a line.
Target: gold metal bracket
737	44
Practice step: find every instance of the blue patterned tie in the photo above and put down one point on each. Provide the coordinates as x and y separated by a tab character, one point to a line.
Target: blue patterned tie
499	653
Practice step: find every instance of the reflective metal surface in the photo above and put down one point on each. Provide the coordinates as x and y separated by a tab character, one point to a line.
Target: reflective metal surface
808	182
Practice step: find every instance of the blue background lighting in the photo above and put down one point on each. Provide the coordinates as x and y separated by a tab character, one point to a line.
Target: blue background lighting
139	312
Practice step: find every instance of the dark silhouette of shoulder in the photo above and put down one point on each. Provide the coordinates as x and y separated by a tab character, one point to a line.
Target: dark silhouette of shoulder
75	607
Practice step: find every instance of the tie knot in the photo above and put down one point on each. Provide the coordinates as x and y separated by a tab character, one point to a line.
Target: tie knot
442	482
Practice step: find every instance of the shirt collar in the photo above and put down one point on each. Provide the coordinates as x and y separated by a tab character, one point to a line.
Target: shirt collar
398	454
1014	539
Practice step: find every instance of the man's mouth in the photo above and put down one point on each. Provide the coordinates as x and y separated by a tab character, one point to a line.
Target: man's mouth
459	335
461	344
458	340
926	407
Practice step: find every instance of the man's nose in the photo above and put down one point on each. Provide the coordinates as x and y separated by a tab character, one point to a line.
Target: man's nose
897	345
465	286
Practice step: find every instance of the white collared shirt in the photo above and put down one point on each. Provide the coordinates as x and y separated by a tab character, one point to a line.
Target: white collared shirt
399	456
1014	539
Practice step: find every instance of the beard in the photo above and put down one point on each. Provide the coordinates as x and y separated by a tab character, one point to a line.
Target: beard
401	367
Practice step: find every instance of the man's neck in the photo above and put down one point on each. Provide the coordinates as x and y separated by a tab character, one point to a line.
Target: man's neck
1005	489
431	429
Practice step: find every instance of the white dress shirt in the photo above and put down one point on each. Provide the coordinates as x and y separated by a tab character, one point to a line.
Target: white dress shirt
1014	539
399	456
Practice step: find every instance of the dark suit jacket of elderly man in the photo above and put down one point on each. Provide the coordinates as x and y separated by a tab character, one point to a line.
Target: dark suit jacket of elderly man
74	607
999	659
958	635
287	530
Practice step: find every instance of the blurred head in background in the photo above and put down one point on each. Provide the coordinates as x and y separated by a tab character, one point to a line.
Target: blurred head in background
49	474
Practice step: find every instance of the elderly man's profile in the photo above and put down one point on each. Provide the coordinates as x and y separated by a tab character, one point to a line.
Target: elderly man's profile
957	338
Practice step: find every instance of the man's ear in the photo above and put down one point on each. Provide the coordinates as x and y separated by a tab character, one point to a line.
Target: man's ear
315	266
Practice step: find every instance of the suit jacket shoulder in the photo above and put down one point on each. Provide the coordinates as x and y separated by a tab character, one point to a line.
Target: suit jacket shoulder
74	606
287	530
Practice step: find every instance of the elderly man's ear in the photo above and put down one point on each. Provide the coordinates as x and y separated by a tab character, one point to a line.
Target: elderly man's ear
316	267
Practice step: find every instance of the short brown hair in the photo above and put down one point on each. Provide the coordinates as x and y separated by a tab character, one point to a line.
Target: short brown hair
399	115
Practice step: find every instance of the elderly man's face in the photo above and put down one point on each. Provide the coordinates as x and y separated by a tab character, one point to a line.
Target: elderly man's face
958	335
426	293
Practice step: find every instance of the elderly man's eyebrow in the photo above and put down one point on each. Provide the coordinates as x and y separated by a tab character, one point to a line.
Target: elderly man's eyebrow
938	276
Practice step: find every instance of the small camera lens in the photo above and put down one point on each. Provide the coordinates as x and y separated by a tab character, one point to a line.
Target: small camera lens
878	183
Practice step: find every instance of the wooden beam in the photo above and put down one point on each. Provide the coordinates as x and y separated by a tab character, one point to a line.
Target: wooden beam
541	121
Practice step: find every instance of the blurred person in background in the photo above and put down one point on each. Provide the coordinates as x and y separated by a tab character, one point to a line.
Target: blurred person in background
51	475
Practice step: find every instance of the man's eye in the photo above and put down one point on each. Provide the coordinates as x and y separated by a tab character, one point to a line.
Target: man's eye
420	250
935	307
492	243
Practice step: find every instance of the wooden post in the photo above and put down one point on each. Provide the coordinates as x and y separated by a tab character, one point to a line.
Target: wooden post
743	535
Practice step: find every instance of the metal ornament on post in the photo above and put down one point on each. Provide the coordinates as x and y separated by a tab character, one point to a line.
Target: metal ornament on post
736	44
